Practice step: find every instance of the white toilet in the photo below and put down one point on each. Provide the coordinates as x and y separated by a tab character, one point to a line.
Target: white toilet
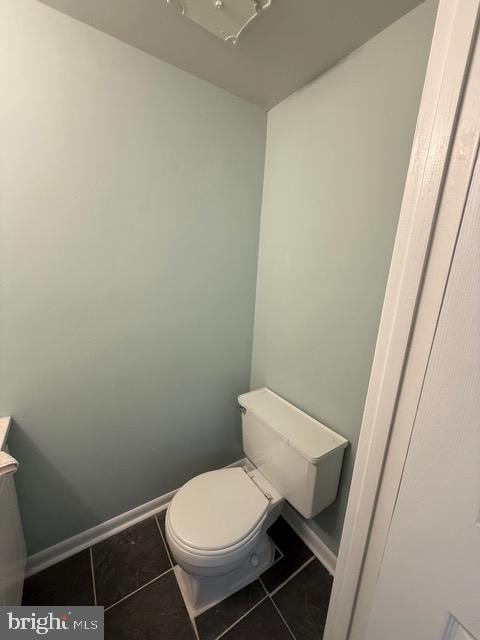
217	523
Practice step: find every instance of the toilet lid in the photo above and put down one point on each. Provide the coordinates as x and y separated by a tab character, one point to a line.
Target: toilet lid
217	509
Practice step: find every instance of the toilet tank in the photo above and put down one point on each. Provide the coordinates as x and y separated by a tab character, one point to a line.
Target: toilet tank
300	456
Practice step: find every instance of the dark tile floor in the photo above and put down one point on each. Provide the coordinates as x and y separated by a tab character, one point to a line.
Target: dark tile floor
131	575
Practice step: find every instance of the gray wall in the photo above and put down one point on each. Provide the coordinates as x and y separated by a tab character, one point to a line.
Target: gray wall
130	205
336	161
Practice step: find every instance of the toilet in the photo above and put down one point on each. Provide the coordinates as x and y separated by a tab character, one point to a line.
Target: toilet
217	523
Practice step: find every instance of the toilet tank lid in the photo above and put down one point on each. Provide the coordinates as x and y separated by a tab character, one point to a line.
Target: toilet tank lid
312	439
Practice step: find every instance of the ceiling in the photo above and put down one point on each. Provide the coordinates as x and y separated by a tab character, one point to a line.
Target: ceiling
284	48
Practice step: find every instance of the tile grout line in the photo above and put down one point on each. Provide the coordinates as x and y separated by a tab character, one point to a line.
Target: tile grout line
139	589
269	596
93	577
191	617
278	611
281	555
295	573
241	617
164	542
193	623
281	616
257	603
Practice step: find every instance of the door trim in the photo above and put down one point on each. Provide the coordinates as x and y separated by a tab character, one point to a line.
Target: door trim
442	159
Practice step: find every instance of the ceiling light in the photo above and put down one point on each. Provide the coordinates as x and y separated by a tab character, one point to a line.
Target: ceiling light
226	19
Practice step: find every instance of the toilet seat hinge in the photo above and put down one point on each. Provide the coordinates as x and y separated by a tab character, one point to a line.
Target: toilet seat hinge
252	478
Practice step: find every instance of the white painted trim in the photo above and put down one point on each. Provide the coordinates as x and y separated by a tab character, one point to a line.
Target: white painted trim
46	558
440	149
450	213
62	550
305	529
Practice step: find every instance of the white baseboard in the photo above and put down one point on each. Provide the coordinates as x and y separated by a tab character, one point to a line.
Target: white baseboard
48	557
305	531
62	550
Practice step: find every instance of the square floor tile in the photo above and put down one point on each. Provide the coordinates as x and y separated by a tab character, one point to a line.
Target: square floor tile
303	601
128	560
295	553
156	612
67	583
215	620
263	623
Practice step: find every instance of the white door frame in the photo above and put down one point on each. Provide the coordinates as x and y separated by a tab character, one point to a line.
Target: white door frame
442	159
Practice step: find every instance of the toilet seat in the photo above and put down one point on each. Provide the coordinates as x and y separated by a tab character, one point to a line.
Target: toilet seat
214	552
216	517
213	560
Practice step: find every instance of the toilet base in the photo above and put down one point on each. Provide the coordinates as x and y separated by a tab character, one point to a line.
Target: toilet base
202	592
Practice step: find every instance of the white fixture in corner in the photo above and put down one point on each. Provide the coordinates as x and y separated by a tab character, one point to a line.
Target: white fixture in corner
217	523
12	544
226	19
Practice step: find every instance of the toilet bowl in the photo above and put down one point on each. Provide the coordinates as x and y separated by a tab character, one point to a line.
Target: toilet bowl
216	527
216	524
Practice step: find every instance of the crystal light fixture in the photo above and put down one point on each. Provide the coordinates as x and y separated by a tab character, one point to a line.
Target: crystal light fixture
226	19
